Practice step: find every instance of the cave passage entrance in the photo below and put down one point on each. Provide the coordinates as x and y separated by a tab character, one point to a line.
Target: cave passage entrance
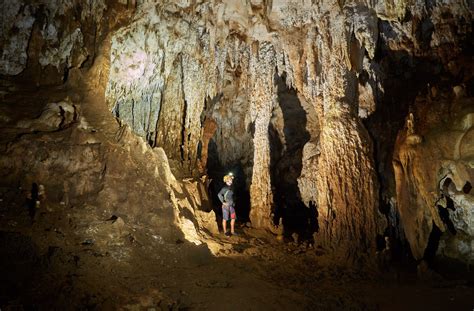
288	134
216	172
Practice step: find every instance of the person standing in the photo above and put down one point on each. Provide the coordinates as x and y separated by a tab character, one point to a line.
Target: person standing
226	196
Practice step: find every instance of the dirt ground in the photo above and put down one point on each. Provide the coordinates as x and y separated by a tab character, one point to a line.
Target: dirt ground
42	269
114	246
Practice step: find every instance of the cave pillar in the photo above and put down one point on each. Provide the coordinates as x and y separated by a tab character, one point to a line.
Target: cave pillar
209	128
260	190
170	123
346	182
194	95
347	186
262	100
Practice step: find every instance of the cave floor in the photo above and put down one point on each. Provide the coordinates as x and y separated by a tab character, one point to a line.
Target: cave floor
48	263
43	269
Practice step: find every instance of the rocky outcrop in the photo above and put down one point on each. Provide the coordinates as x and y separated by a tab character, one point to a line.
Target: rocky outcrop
180	56
434	169
42	41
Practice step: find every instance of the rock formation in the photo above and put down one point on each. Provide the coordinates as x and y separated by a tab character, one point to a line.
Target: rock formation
433	172
177	64
45	40
196	51
369	82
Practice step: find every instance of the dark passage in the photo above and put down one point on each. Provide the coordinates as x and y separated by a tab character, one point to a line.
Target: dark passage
288	135
216	172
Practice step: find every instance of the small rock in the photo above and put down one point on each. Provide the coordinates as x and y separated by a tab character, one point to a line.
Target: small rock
458	91
425	273
87	242
295	237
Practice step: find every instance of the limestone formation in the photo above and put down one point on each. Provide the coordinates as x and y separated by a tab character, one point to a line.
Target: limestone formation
305	98
348	126
431	177
177	62
46	39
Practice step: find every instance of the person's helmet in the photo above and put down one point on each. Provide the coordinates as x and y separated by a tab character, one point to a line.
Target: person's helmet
228	177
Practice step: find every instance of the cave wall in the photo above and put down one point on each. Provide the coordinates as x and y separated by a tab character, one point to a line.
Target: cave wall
434	170
426	64
41	41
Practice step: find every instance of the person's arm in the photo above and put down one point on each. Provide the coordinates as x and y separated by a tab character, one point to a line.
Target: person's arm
220	195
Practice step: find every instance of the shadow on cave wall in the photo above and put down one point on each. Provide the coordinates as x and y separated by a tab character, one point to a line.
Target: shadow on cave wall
407	76
286	165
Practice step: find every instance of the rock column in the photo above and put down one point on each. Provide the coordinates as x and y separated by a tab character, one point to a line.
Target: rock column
347	187
262	101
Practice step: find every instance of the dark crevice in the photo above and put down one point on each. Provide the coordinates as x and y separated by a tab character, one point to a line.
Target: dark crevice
286	165
183	132
467	187
433	243
444	215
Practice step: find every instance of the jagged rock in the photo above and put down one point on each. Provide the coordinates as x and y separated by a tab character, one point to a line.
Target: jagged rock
434	169
14	43
44	41
53	117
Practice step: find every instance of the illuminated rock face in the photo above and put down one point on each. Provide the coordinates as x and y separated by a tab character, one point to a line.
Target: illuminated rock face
423	122
179	64
307	97
434	168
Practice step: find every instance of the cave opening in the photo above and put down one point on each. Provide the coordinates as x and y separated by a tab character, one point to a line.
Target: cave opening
433	244
288	134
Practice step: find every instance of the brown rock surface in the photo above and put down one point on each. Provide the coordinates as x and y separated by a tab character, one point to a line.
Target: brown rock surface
348	125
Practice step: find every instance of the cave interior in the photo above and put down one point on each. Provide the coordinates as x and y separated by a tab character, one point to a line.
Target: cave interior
348	127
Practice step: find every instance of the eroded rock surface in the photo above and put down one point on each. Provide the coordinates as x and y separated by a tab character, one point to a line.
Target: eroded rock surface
214	85
44	40
434	169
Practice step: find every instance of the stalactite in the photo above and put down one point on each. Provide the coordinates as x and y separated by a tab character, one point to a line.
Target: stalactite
172	111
